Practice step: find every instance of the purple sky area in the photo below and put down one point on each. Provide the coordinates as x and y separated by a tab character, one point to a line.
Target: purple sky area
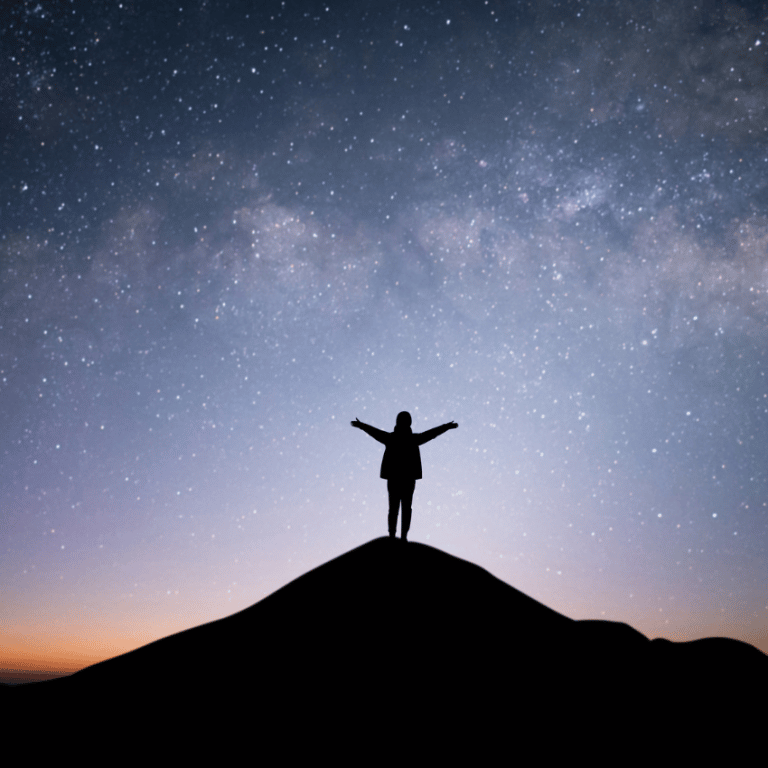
229	228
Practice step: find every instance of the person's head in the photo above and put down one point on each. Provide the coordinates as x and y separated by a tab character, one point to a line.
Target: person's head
403	423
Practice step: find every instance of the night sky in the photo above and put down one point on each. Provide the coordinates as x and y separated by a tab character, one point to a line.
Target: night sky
227	229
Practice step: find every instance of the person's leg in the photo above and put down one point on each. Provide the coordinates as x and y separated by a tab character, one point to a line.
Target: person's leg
407	490
394	504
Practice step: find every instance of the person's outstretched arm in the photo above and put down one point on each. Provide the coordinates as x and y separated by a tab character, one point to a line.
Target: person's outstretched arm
376	434
431	434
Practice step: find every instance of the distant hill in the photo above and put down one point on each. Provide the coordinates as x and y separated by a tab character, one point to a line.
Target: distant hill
394	640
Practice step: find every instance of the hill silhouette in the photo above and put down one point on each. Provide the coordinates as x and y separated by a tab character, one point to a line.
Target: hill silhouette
393	639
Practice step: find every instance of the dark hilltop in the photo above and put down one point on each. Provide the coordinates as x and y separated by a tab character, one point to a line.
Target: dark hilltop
394	640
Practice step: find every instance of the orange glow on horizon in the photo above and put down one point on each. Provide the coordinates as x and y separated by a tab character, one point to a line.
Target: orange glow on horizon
36	657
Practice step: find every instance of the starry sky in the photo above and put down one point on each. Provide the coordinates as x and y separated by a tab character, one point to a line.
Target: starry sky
229	228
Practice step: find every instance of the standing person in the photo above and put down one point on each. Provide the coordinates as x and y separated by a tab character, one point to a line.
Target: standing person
401	465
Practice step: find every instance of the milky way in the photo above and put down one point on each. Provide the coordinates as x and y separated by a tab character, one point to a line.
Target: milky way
228	229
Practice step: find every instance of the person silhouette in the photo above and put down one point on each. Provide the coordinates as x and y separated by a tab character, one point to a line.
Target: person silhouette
401	464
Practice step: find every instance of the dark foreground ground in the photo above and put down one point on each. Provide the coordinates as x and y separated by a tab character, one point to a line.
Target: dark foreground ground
403	651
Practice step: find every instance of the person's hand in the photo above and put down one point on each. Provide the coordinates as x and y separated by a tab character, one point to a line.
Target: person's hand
452	425
356	423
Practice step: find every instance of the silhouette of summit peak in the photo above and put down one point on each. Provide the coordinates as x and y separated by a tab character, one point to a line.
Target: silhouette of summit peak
390	628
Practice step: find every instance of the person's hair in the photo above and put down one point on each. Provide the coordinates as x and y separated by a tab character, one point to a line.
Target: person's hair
403	422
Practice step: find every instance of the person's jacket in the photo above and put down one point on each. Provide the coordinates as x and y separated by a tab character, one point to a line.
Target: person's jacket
402	458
